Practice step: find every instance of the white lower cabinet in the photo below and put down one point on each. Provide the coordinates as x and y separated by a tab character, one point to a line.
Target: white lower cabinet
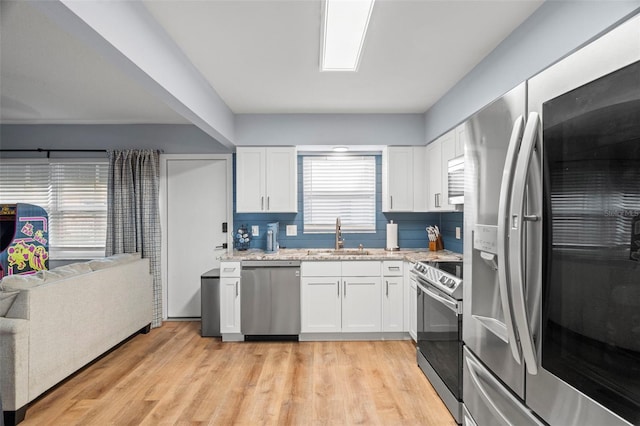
392	296
229	297
321	306
333	302
361	304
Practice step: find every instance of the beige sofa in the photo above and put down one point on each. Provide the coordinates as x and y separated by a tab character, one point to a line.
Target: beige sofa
60	320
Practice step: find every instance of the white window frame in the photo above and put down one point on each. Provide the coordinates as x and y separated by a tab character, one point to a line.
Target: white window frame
364	194
51	204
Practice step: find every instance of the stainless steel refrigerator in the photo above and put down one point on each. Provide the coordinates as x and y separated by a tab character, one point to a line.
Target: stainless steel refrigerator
552	254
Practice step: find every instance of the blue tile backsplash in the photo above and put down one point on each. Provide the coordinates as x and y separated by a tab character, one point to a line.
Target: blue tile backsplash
411	226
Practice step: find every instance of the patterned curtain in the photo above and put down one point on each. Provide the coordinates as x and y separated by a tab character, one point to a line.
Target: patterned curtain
133	217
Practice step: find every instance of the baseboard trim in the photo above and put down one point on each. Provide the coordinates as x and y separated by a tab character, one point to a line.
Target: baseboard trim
319	337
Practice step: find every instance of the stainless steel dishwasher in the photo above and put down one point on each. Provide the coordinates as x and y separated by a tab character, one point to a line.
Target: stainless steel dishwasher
270	300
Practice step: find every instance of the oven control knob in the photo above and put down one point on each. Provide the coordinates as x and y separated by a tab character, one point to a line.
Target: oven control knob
449	282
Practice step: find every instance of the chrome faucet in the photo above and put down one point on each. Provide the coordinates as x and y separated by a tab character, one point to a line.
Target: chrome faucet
339	240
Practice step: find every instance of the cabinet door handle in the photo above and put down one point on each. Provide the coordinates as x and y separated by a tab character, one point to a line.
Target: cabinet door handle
262	203
345	289
391	208
338	286
236	288
268	203
387	288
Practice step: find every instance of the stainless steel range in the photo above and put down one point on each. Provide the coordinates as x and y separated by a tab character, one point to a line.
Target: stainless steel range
439	329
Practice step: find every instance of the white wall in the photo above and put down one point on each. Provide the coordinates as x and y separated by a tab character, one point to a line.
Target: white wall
556	29
171	138
329	129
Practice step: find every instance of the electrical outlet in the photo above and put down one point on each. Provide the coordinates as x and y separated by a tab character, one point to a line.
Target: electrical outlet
457	232
255	230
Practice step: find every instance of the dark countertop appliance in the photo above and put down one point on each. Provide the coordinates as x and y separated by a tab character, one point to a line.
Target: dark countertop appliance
210	300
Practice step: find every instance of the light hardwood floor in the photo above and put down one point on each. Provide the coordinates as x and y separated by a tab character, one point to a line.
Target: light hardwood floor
174	376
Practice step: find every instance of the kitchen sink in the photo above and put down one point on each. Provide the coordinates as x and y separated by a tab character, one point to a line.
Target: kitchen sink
341	252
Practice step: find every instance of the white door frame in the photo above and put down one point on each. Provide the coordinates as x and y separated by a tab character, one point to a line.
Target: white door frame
164	160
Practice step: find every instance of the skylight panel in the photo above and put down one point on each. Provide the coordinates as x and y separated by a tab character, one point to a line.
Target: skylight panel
344	29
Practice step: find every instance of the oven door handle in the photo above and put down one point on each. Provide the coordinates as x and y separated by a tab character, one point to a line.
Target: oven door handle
448	303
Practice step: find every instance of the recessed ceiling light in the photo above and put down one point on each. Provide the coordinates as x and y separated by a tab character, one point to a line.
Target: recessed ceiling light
344	27
340	149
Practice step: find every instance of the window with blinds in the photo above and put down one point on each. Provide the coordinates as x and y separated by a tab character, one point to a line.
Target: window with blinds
342	187
74	193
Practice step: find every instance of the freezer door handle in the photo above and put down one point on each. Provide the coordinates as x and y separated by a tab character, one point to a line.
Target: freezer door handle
517	228
474	373
502	239
485	384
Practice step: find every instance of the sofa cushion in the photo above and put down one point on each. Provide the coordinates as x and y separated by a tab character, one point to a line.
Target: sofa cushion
116	259
97	264
74	269
65	271
22	282
125	257
6	300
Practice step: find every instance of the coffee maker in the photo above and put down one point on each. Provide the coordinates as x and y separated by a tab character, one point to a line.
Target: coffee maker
272	237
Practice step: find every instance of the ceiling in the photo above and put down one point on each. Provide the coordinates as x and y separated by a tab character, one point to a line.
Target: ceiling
259	56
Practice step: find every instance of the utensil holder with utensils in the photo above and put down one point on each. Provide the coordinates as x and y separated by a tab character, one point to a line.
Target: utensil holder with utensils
437	244
435	239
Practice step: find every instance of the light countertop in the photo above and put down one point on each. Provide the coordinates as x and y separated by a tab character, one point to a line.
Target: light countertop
414	255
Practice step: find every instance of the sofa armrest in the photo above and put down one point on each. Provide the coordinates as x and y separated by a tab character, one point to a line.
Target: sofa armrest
14	363
20	307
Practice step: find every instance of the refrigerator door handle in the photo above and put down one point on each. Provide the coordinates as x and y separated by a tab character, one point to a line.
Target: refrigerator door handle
503	236
517	228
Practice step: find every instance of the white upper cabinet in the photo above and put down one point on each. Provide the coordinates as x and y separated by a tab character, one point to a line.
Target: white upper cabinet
461	138
250	179
434	161
404	179
266	180
420	179
439	152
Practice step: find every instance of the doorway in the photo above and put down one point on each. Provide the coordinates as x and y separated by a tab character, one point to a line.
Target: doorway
196	199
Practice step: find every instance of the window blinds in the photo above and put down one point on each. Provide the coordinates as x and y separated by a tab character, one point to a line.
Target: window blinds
74	193
342	187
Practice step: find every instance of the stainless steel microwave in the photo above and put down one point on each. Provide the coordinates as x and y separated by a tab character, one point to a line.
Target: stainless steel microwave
455	180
